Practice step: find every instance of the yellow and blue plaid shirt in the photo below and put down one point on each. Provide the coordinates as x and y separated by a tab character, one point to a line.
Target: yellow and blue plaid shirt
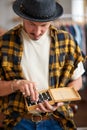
64	57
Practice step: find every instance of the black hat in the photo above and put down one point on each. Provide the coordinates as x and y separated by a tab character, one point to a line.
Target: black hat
38	10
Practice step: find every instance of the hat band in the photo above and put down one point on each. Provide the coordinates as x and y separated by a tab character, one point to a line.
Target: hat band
22	9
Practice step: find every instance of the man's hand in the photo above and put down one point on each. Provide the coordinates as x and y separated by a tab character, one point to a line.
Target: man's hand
77	84
27	88
46	107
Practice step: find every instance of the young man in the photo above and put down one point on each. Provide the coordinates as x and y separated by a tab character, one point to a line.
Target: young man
33	57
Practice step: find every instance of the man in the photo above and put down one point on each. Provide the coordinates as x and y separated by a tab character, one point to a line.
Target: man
33	57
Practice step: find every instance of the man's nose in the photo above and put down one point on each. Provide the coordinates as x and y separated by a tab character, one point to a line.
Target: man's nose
37	30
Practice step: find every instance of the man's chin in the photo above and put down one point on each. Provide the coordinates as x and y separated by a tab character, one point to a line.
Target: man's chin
36	38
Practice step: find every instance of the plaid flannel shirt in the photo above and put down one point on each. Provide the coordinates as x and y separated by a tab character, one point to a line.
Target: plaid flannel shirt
64	57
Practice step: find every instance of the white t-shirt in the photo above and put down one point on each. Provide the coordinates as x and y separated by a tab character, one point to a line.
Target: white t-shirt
35	61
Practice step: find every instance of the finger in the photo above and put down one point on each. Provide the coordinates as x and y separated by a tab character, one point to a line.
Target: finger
32	95
36	91
42	107
22	89
39	110
27	90
32	92
50	107
60	104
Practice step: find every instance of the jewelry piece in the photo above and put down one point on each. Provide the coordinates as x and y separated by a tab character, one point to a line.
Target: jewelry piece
23	93
13	85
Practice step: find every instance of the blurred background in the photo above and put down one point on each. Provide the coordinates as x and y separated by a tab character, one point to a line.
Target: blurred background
73	9
74	20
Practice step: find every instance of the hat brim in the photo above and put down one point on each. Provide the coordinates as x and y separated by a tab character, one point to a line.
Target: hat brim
58	13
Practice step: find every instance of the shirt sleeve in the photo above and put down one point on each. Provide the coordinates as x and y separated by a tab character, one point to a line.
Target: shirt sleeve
78	71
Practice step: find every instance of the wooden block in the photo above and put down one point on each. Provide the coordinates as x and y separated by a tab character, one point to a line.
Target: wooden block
64	94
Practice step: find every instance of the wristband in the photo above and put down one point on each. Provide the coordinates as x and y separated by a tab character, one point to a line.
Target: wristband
12	85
